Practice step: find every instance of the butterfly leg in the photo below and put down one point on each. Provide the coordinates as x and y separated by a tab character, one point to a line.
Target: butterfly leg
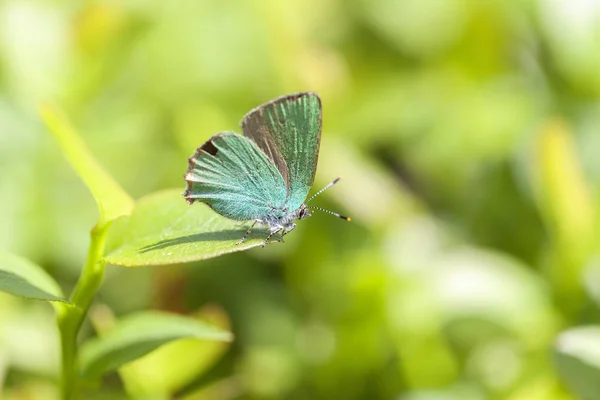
273	232
280	239
243	239
286	229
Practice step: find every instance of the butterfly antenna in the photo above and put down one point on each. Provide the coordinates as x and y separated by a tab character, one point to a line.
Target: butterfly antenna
330	212
336	180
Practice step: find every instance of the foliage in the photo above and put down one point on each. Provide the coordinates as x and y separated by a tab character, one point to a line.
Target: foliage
165	230
130	338
466	133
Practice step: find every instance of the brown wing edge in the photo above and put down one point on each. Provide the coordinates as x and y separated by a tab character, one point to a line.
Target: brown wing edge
208	148
291	96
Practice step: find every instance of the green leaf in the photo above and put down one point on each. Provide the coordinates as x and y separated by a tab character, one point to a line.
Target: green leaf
139	334
112	200
174	365
566	203
21	277
577	359
164	229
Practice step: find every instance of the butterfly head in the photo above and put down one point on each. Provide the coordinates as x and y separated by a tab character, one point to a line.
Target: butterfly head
286	223
303	212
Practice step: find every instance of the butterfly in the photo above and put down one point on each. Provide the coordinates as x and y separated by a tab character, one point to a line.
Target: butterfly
266	174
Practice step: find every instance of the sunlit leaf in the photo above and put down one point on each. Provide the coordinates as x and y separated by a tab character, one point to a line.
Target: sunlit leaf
577	359
164	229
112	200
176	364
565	194
566	204
139	334
23	278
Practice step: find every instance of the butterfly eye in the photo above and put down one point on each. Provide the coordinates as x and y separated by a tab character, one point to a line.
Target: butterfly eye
304	213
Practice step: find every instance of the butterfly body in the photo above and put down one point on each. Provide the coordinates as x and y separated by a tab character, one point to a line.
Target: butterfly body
284	221
266	174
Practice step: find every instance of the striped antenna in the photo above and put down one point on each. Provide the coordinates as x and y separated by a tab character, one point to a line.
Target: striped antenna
330	212
336	180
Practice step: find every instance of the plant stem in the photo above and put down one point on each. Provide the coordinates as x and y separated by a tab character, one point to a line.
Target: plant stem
71	317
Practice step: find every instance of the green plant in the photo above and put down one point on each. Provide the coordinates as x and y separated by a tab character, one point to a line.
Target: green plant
158	229
161	229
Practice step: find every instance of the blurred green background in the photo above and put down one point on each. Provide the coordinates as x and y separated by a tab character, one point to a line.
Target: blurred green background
467	134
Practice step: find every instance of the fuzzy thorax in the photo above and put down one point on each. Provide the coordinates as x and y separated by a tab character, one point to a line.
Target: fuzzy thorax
285	221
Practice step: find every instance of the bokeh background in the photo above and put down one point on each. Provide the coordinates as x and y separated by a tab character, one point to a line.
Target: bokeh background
467	134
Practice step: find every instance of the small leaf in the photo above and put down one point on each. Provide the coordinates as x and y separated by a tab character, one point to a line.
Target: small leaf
138	335
577	359
23	278
566	199
164	229
174	365
112	200
566	204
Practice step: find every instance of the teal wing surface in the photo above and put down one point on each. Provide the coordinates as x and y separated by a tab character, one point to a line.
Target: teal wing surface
288	131
235	178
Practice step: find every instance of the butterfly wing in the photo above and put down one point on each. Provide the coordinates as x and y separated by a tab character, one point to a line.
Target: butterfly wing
235	178
288	131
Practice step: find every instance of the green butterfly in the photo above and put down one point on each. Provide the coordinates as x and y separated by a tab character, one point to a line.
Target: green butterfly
266	174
